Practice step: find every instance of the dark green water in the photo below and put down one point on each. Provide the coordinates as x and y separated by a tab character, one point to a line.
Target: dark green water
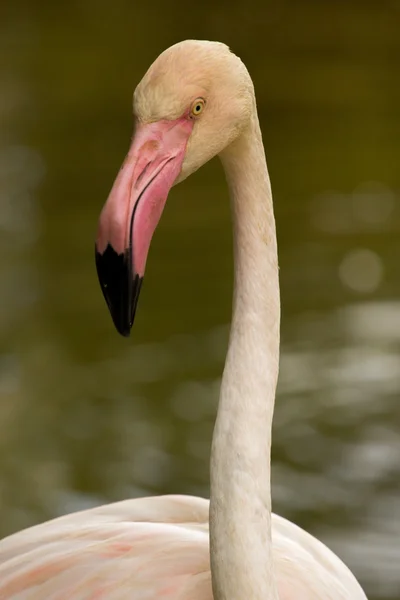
87	417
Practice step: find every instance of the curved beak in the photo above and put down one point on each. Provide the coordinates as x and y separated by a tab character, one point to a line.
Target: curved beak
132	211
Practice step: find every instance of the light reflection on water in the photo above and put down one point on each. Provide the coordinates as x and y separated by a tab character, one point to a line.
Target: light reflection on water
86	417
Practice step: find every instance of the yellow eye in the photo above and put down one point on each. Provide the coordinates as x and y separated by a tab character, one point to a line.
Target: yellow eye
197	107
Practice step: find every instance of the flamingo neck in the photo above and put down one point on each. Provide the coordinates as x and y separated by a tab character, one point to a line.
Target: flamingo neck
240	505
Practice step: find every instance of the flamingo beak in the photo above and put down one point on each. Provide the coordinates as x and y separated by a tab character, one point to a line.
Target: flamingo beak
132	212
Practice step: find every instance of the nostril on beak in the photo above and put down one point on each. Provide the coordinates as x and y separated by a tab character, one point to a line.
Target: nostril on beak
140	177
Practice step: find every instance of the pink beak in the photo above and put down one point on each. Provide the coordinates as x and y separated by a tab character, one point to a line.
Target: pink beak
133	210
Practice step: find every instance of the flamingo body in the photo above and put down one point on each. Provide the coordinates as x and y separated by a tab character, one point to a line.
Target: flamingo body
153	548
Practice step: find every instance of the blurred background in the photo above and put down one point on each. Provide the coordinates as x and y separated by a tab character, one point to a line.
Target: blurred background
88	417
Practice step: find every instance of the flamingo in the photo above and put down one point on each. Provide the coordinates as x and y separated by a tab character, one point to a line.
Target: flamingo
195	102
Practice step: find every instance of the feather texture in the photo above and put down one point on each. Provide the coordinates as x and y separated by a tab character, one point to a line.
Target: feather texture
153	548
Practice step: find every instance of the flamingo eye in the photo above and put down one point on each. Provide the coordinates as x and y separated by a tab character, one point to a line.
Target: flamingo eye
197	107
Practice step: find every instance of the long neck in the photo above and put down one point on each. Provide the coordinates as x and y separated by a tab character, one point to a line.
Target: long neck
240	507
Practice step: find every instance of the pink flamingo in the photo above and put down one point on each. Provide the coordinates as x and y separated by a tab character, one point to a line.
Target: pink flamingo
196	101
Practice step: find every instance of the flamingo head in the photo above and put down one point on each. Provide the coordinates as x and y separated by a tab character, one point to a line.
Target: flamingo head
192	103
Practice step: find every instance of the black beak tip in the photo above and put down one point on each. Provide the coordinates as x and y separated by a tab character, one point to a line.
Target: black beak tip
119	286
123	330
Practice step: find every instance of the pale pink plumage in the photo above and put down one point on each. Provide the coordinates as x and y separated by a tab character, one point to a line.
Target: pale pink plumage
152	548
